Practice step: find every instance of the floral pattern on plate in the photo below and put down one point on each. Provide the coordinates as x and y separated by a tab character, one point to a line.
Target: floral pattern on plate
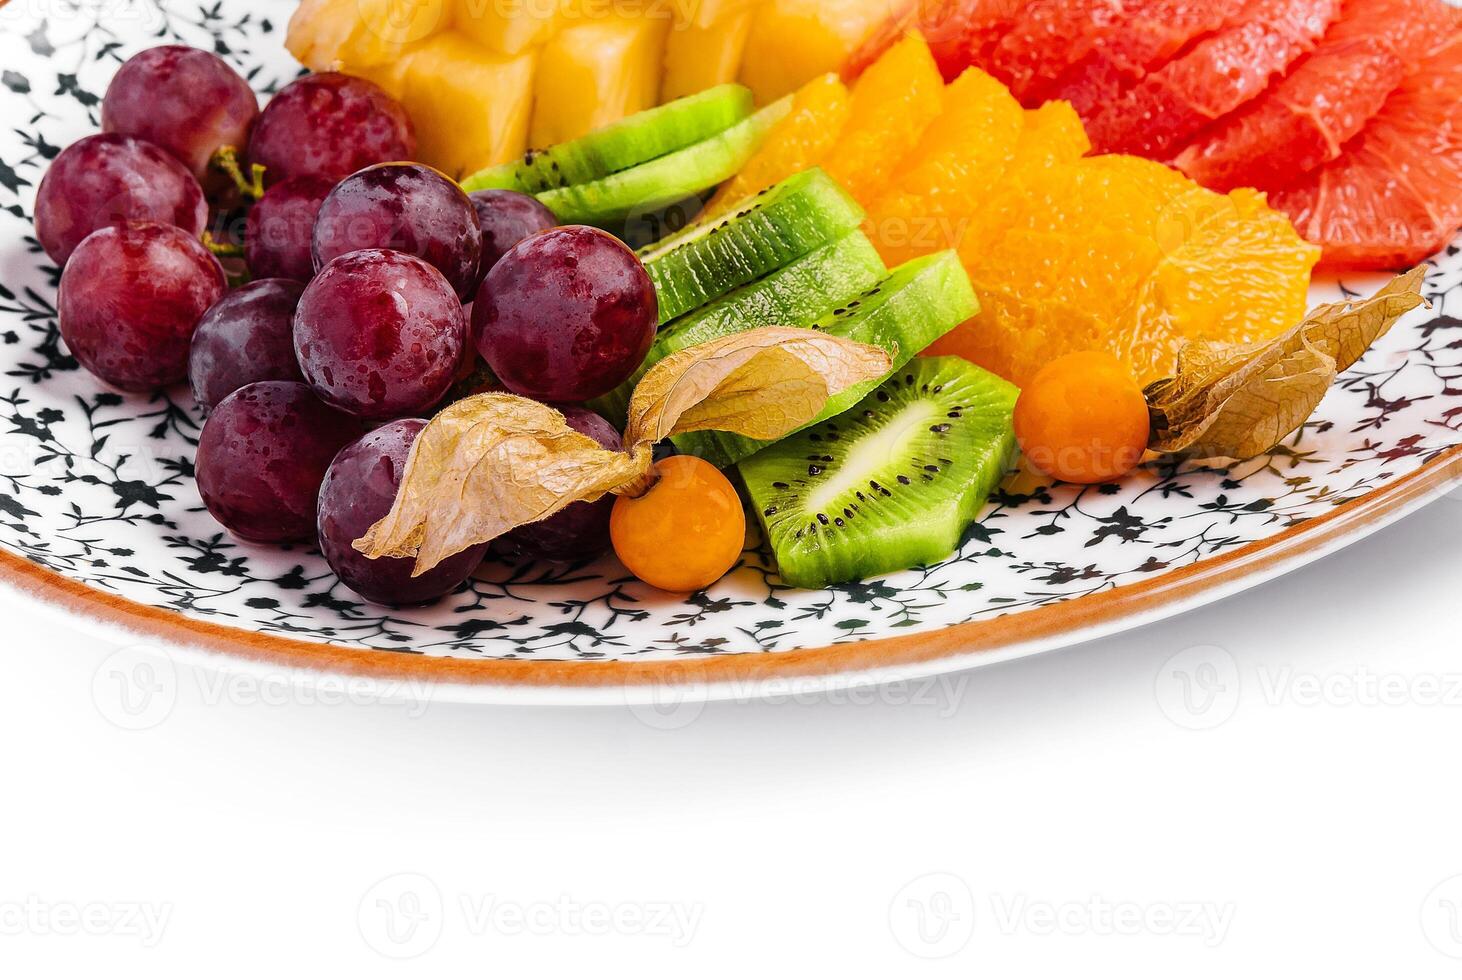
98	486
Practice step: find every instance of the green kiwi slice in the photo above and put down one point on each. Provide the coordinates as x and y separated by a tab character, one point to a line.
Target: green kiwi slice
792	295
633	140
915	305
892	483
761	234
669	179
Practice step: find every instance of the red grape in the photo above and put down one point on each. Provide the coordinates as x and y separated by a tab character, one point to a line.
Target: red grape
565	316
130	298
262	456
507	218
107	179
329	125
380	334
278	229
406	207
185	100
245	337
359	490
580	531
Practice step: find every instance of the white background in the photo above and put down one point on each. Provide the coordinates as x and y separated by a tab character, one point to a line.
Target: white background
1295	811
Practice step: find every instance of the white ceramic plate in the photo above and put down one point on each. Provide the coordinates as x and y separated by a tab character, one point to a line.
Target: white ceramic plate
99	515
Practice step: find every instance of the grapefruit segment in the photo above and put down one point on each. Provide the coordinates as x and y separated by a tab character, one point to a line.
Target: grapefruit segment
1217	75
1301	123
1154	32
1395	195
1151	32
1047	37
1413	28
1305	119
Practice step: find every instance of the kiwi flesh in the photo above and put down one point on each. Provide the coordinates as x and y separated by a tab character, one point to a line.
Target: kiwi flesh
890	484
791	295
912	307
761	234
630	141
647	187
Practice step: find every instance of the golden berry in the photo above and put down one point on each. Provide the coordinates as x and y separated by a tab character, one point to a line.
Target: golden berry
1082	419
685	532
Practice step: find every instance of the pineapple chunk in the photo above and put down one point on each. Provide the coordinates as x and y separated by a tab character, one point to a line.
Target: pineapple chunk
794	41
390	75
470	106
598	70
508	26
349	35
698	57
704	13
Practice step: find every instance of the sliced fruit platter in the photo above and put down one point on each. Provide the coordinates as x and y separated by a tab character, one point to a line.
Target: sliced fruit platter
907	348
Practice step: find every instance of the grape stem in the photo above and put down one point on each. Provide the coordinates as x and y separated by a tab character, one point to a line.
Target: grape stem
221	248
226	158
225	250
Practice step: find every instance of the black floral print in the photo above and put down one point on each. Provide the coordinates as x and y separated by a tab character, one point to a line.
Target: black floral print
99	486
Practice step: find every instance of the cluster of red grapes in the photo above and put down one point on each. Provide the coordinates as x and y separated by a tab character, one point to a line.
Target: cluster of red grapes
315	373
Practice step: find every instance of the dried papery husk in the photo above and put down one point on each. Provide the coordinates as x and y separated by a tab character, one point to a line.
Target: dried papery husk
493	462
1237	401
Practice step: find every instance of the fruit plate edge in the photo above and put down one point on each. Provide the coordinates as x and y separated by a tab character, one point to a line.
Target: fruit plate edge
730	676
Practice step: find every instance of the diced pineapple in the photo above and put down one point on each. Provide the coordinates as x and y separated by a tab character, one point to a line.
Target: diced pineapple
598	70
508	26
470	106
698	57
390	75
794	41
350	35
704	13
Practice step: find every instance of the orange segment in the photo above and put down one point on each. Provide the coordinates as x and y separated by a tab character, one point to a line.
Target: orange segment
819	110
1100	272
1241	275
1052	134
1010	334
1051	137
893	103
955	166
1147	257
1067	252
1093	194
1044	294
964	150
